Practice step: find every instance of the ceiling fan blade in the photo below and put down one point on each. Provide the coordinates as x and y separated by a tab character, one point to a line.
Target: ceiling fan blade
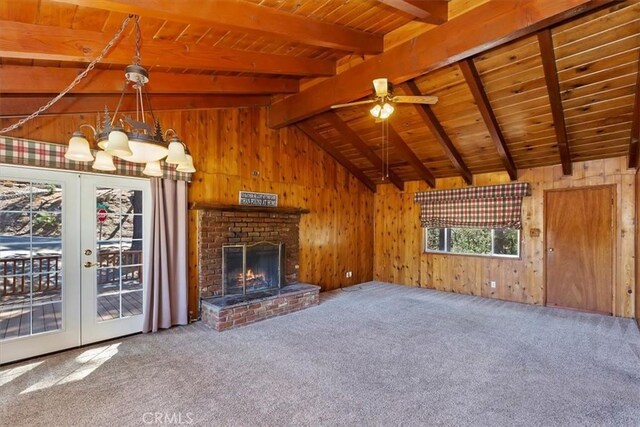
410	99
351	104
381	86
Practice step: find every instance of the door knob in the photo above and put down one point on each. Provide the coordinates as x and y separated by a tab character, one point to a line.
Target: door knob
89	264
550	249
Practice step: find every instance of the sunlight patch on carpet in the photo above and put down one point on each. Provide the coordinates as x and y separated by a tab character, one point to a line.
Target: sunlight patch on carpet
82	367
9	375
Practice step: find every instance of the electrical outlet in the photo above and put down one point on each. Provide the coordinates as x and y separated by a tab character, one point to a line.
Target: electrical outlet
493	284
348	274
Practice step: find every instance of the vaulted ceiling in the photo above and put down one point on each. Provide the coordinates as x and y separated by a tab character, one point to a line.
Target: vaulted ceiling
520	84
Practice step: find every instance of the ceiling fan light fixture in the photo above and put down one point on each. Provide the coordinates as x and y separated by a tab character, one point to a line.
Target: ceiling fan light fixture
386	110
381	87
382	111
376	110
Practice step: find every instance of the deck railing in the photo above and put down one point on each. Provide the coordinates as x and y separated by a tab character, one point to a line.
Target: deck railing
46	275
15	274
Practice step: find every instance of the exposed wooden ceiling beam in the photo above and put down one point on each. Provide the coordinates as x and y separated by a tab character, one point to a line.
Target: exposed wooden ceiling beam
22	105
354	139
484	27
634	146
63	44
19	79
429	118
410	157
246	17
429	11
545	41
477	90
309	130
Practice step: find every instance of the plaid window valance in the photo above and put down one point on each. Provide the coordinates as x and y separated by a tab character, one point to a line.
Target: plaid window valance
26	152
492	206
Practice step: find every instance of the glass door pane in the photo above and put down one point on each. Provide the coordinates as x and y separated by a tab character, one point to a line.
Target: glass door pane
119	237
31	258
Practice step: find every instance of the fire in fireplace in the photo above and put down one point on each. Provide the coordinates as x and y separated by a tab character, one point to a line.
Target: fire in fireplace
251	267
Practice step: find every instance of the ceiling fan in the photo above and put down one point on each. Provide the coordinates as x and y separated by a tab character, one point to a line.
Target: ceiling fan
385	99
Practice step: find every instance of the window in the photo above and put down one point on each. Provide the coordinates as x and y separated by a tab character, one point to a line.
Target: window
500	242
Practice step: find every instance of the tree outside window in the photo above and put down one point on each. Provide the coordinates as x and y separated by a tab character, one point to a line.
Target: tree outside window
476	241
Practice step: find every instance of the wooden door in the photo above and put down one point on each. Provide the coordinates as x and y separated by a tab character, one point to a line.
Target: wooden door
579	230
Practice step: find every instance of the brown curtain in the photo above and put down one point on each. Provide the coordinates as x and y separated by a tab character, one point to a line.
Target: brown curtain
166	302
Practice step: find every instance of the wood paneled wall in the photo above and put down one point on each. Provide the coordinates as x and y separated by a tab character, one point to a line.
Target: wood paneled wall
235	150
637	237
398	238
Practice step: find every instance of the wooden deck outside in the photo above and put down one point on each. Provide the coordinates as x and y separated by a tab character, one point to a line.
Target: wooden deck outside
47	312
45	309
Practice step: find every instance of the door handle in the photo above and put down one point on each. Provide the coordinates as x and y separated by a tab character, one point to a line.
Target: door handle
90	264
550	249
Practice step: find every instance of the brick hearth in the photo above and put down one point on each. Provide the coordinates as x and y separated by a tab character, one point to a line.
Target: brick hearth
222	313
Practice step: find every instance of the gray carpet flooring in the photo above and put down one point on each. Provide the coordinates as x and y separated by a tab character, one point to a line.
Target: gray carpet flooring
373	355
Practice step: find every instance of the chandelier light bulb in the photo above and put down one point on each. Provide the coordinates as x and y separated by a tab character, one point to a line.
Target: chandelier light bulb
176	153
153	169
104	162
187	166
78	149
118	144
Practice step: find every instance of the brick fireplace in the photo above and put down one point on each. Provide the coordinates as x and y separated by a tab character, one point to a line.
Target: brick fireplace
239	229
218	227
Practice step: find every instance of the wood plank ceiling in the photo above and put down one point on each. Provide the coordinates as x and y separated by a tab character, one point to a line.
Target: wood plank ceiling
563	89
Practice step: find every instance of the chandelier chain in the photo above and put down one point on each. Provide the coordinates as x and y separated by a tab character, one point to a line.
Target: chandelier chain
75	81
136	58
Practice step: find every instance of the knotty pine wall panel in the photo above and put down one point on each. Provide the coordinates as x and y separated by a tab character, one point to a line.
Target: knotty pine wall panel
637	237
398	238
228	145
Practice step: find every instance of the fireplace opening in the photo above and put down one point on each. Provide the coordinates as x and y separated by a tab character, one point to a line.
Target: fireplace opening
251	267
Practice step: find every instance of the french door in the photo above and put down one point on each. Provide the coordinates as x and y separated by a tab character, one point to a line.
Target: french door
114	234
114	245
72	256
39	279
